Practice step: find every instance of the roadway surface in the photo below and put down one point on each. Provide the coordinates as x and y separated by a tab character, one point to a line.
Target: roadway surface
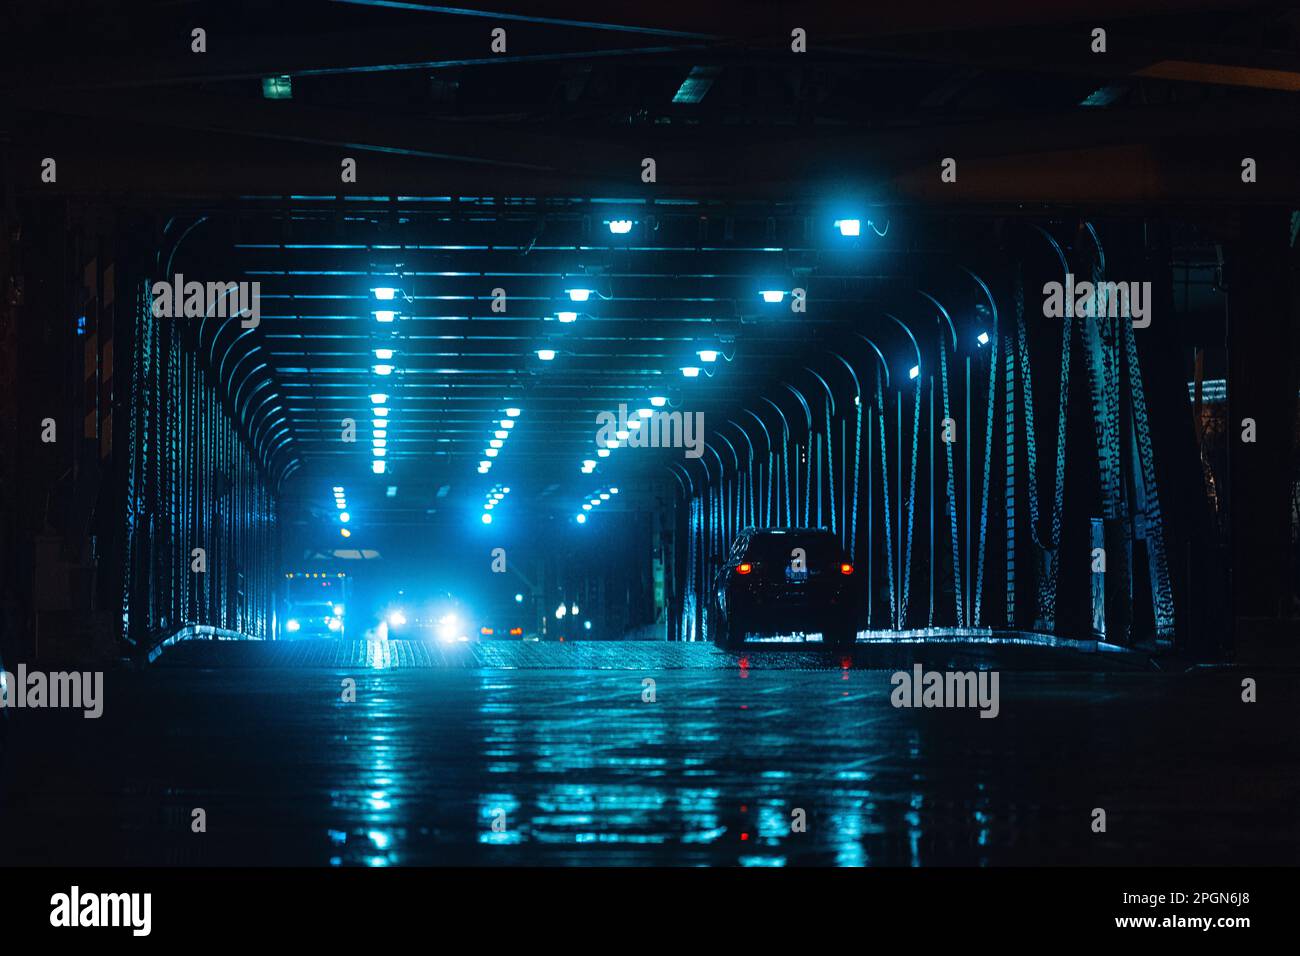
548	754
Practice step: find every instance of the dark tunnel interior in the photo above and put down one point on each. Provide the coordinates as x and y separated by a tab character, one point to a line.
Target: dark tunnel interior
758	352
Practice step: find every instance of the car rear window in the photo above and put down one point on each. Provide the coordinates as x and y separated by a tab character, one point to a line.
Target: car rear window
778	548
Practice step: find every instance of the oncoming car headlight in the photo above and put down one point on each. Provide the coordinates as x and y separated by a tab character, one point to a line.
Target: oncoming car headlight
448	627
292	625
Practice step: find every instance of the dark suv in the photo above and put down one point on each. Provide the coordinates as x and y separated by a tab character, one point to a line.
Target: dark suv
779	580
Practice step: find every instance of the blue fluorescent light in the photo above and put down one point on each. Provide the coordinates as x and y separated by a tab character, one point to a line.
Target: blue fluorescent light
277	88
697	84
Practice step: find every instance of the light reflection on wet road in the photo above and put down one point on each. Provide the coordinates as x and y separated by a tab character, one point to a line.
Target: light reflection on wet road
573	767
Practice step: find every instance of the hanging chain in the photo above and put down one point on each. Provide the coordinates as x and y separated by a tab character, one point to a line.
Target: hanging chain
1009	392
1155	535
688	599
951	492
889	533
1047	591
1031	431
988	466
785	458
830	462
1047	585
911	503
857	462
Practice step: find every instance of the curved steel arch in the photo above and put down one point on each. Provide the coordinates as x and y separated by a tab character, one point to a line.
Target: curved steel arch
952	329
722	469
879	354
254	425
785	422
734	456
254	434
678	477
278	438
255	438
708	476
988	294
177	244
762	425
203	324
1060	253
830	395
293	465
802	401
689	488
741	429
904	326
1096	241
857	385
225	356
234	398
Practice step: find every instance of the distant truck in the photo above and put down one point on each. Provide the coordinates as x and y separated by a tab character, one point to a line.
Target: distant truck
315	605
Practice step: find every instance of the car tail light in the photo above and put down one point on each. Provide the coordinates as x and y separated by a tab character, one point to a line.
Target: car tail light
846	568
744	568
486	631
516	631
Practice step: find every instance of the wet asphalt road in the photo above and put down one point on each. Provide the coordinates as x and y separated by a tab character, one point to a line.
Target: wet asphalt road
532	762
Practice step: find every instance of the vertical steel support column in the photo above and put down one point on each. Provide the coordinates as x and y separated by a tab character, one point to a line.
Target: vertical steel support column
1009	500
930	460
898	513
871	512
844	485
967	576
819	477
